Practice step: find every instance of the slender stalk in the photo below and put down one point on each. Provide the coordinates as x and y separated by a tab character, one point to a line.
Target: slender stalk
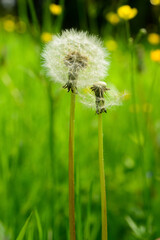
102	179
149	100
78	203
52	165
34	15
47	21
71	170
22	10
51	119
58	24
136	122
127	30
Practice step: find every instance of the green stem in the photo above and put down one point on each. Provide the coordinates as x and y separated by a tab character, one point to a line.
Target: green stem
134	94
102	179
78	204
71	170
127	30
82	14
47	20
22	10
59	21
51	117
136	122
51	150
34	15
149	100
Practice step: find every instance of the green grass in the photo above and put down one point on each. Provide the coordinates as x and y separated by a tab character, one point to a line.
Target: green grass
31	179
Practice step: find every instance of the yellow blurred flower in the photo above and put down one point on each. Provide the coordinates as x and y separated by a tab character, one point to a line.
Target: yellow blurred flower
46	37
155	2
134	108
147	107
154	38
55	9
112	18
111	45
155	55
126	12
9	25
20	27
9	17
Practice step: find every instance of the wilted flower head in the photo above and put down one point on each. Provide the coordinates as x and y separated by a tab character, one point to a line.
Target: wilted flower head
100	97
75	59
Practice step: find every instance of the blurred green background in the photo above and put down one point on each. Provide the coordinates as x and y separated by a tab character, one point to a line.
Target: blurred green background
34	126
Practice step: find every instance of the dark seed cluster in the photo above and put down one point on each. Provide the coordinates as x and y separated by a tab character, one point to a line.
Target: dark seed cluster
75	62
99	90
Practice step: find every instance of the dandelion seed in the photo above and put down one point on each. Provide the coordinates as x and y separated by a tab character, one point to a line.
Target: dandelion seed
75	59
126	12
55	9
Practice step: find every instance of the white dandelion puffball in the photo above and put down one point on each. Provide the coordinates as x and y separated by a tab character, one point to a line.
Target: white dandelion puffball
76	57
100	96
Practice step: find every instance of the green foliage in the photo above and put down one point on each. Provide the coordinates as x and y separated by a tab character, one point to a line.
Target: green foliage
24	229
34	162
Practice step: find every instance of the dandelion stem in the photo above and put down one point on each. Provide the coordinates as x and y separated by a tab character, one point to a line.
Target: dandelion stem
34	15
102	179
71	170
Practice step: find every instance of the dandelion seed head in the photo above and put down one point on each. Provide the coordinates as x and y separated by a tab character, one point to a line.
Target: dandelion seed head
78	55
110	98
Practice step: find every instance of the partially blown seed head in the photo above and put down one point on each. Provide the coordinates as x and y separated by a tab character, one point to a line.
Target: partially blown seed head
100	97
75	59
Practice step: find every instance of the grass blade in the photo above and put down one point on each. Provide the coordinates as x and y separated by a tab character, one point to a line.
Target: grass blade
24	228
39	226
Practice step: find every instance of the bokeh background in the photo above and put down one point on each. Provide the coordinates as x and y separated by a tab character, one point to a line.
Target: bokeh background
34	125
